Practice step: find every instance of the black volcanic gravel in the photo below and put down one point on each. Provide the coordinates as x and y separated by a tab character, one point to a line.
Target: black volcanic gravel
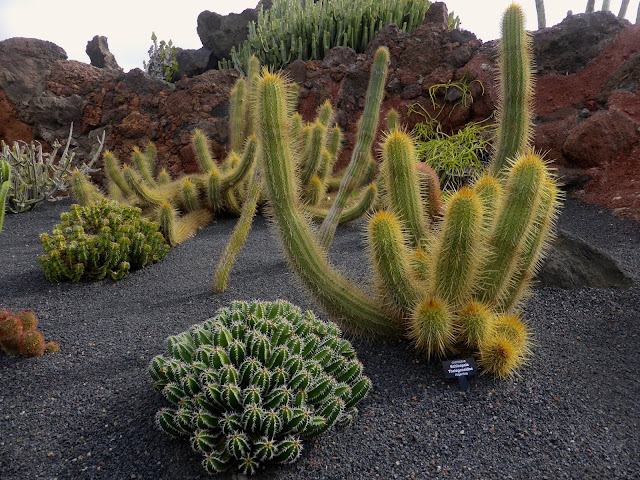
88	411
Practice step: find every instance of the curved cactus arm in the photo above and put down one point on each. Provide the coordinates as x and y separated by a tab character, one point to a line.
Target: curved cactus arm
237	115
354	308
362	204
85	192
147	195
238	237
430	190
247	160
489	190
313	152
178	229
516	91
402	187
536	244
141	162
391	262
114	173
359	159
516	210
200	144
457	249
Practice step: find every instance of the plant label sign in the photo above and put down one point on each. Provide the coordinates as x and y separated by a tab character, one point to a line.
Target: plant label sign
460	369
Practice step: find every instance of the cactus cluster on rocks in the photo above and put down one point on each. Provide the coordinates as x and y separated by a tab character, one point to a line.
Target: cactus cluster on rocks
251	383
452	279
107	239
19	334
5	177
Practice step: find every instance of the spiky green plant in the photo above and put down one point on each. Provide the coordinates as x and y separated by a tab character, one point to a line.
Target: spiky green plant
249	385
98	241
37	176
305	30
445	286
5	178
163	63
19	335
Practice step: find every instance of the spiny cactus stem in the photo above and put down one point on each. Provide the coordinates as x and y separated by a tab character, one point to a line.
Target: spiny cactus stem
516	88
246	162
307	258
359	159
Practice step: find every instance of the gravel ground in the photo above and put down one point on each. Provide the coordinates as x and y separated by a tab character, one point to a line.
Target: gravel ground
88	411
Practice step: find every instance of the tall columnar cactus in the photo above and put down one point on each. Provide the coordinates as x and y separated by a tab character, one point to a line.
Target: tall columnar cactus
449	287
251	383
516	91
5	178
361	150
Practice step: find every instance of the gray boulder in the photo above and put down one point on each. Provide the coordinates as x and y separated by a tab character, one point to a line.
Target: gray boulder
218	33
573	264
101	57
25	64
193	62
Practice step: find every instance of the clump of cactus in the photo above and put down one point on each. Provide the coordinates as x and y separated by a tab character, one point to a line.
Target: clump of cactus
306	30
93	242
451	279
251	383
19	335
37	176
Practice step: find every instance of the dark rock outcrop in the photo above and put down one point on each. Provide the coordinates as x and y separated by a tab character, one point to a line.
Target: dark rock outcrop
587	110
99	54
218	33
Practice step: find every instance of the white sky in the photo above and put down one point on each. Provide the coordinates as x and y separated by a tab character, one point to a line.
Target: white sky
128	24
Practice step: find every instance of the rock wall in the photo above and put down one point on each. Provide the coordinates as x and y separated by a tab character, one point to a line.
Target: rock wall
587	98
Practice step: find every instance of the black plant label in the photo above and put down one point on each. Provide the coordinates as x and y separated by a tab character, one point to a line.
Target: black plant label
460	369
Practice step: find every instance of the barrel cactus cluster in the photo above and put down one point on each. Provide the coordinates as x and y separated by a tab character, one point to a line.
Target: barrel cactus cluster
19	335
251	383
94	242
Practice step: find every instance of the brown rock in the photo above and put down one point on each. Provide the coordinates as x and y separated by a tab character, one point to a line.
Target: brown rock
604	137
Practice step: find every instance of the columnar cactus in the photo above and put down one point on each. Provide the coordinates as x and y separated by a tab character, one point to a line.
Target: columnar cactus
448	288
94	242
5	177
251	383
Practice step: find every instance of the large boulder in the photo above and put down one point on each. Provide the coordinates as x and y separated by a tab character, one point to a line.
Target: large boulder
99	54
218	33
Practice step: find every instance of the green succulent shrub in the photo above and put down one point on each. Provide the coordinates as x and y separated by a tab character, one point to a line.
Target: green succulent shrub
5	177
19	335
251	383
307	30
163	63
98	241
457	158
37	176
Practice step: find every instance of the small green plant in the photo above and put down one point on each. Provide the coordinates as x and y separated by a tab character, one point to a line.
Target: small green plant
250	384
19	335
163	61
98	241
457	158
37	176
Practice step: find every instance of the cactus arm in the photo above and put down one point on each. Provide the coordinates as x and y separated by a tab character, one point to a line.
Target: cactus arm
352	307
83	190
391	262
403	191
456	251
313	152
362	148
147	195
535	245
246	162
516	90
237	106
114	173
514	215
142	166
238	237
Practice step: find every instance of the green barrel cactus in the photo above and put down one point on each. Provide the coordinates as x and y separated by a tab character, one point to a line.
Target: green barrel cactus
251	383
96	241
